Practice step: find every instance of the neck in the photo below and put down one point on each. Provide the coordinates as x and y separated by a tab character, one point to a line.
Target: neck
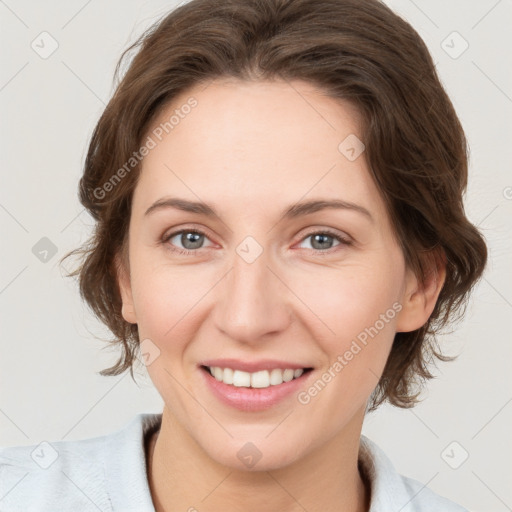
183	477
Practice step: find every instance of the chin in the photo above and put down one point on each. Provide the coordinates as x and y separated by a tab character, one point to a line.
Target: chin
262	453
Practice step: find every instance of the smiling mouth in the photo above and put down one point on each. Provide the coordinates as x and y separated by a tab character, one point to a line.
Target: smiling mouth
260	379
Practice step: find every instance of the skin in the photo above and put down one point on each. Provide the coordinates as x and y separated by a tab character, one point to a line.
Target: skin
251	149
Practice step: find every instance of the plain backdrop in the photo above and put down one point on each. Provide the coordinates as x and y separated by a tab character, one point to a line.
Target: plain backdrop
457	441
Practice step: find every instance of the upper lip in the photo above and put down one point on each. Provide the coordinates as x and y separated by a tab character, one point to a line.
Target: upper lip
253	366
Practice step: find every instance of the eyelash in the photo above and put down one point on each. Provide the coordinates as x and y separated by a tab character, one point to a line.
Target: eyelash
188	252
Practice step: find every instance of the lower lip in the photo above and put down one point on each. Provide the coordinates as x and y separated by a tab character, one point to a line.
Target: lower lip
253	399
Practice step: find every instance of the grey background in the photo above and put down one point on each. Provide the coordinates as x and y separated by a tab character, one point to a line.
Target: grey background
49	388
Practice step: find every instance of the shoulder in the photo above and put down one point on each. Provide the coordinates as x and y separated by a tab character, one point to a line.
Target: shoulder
71	475
426	500
391	491
61	473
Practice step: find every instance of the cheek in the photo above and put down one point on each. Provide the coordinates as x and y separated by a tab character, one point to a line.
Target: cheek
165	299
358	311
351	299
357	307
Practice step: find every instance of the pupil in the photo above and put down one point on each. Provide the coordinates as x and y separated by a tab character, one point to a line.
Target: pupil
323	241
189	238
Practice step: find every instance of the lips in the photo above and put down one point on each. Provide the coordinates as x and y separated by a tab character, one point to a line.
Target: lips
255	385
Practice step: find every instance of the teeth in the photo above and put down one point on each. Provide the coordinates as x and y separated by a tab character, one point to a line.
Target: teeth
288	375
240	379
276	377
261	379
227	376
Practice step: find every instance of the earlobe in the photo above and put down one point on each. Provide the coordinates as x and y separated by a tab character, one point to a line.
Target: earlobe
419	298
123	280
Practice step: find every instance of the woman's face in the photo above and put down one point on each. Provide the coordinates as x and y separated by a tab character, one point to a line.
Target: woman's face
268	284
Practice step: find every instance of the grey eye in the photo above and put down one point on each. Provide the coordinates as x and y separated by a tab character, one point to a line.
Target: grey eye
188	239
321	241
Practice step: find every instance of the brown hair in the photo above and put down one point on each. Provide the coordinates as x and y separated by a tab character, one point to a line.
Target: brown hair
355	50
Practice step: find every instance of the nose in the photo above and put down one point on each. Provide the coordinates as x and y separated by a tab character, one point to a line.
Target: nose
253	301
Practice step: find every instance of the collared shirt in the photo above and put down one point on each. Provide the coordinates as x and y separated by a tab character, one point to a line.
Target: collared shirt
108	473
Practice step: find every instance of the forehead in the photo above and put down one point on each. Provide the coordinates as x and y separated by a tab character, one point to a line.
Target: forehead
259	114
260	142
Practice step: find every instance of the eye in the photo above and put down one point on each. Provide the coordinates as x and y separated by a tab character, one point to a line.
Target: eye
321	241
191	239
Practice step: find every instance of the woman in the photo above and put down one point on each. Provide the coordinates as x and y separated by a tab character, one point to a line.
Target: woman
280	233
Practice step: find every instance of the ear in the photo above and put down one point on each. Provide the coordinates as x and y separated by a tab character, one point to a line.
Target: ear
123	280
419	298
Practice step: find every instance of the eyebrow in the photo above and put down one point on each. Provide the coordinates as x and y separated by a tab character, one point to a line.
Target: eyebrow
293	211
